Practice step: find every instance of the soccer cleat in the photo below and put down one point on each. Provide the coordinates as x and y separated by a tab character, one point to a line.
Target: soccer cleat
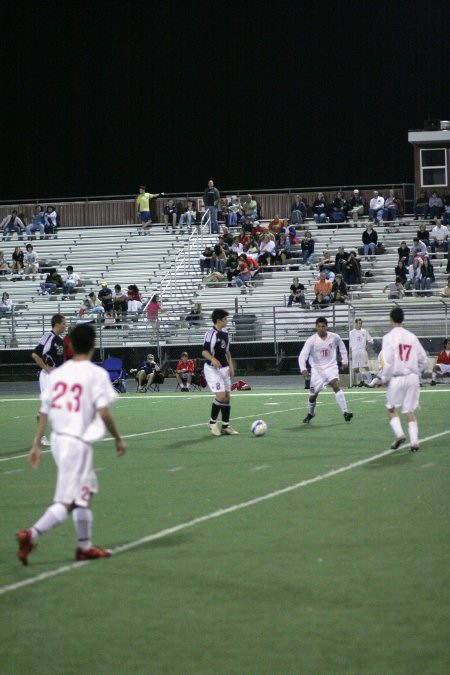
348	416
308	418
91	553
229	431
414	448
25	545
397	443
45	441
214	429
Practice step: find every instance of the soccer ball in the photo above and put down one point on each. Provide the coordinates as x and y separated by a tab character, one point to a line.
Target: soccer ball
259	428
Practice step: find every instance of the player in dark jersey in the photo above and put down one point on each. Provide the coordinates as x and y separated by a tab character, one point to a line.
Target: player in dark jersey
49	353
218	371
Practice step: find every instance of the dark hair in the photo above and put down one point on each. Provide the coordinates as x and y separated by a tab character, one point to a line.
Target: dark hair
82	338
141	187
218	315
446	341
69	268
321	319
57	318
397	315
118	287
398	280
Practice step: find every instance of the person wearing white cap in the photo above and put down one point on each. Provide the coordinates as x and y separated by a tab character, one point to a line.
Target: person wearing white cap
356	206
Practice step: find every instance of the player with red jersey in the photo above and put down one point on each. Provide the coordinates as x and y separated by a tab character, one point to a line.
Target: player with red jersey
442	364
184	371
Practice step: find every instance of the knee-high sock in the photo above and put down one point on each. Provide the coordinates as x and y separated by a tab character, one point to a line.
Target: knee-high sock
340	400
82	519
55	515
413	432
311	407
226	409
396	427
215	410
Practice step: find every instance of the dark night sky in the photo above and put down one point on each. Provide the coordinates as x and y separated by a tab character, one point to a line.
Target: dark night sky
98	98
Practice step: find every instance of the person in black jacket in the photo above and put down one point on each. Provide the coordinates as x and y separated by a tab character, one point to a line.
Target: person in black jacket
370	240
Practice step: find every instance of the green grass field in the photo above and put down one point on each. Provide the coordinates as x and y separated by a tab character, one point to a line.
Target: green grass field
217	566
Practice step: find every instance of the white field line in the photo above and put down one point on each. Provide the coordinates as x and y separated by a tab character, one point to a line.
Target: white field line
184	426
211	516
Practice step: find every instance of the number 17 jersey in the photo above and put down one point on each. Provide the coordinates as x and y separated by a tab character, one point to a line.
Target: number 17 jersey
402	354
75	392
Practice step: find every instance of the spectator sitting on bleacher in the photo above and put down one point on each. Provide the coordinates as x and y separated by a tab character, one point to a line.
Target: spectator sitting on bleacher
445	293
340	259
51	222
189	216
327	265
232	267
428	278
70	281
307	246
418	250
52	283
244	236
401	270
376	207
266	251
170	213
251	248
276	224
297	293
320	209
352	272
219	260
120	301
206	259
105	297
339	291
322	288
133	293
283	248
448	263
396	289
4	266
393	207
246	224
446	213
5	304
250	208
226	238
356	206
414	276
245	275
258	229
134	305
37	223
403	252
421	207
236	246
252	263
423	234
12	223
298	211
370	240
439	237
17	260
195	314
436	205
234	211
31	260
92	306
339	209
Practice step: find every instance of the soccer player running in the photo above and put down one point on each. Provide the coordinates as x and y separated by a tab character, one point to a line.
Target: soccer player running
76	402
359	338
218	371
404	359
49	354
321	351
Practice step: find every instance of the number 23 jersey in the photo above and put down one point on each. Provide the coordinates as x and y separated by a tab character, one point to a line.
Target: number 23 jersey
75	392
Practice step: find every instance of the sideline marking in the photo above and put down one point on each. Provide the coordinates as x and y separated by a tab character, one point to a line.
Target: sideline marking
214	514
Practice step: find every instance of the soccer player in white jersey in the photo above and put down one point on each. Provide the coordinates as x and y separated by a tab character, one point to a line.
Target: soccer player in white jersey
76	402
404	359
359	338
218	371
49	354
321	351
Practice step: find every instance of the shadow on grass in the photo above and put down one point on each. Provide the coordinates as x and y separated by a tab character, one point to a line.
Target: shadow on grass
396	459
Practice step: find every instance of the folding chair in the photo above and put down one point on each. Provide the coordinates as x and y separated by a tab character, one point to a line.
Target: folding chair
114	367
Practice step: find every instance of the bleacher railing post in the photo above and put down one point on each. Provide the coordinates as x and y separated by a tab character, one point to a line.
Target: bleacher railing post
274	319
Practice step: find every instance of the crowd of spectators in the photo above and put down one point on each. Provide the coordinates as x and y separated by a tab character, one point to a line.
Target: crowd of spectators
45	221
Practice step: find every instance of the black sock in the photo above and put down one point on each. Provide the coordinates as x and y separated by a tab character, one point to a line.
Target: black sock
215	409
226	409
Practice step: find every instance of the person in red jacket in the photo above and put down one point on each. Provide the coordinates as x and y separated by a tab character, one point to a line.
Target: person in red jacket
442	364
184	371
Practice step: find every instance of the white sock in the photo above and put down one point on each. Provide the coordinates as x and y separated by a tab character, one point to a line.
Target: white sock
357	378
311	407
413	431
82	519
433	376
340	400
55	515
396	427
366	376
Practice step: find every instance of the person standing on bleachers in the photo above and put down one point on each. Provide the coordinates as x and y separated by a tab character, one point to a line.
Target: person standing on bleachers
143	207
211	199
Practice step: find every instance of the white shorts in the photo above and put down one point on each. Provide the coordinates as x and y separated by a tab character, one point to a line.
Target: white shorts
43	380
403	390
321	378
360	360
76	477
218	379
443	367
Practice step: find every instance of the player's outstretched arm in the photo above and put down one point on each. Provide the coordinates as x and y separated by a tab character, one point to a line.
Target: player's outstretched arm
111	426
